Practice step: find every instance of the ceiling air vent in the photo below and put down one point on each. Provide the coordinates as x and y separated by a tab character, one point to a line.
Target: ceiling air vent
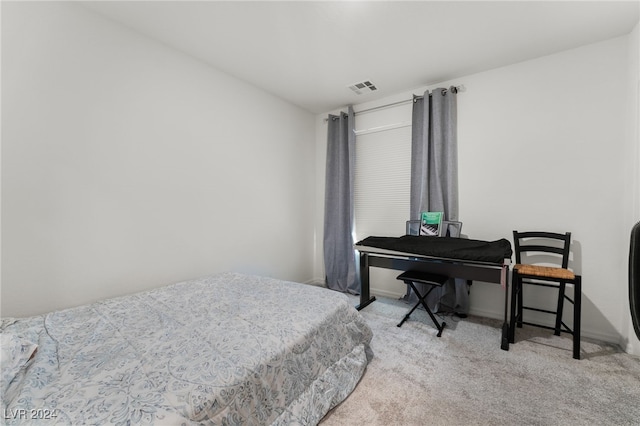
362	87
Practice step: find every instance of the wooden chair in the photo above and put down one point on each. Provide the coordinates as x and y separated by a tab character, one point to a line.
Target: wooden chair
553	246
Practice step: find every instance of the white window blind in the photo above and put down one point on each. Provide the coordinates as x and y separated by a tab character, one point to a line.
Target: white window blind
382	180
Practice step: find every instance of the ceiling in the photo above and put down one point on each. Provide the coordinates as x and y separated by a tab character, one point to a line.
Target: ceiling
309	52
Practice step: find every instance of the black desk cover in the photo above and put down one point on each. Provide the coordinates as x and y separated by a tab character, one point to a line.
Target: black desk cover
445	247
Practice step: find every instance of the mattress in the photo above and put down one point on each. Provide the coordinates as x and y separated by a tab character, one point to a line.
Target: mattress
226	349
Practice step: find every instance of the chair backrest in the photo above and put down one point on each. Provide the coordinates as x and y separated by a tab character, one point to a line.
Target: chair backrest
553	244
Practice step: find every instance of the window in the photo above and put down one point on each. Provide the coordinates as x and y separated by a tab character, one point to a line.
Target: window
382	181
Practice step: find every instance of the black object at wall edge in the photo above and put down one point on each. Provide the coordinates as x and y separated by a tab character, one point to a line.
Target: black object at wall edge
634	277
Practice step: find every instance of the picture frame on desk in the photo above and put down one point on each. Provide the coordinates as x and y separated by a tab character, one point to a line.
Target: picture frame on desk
431	223
413	227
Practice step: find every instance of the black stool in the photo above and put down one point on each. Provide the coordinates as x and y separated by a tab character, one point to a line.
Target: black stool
434	280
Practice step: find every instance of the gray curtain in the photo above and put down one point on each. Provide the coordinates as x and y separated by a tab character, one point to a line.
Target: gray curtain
434	179
434	154
339	255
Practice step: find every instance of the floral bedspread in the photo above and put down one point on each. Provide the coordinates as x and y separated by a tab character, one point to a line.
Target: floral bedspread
228	349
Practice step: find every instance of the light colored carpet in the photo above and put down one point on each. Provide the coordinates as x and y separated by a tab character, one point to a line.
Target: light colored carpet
464	378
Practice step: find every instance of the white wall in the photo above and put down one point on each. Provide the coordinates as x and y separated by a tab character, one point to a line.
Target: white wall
632	167
542	146
127	165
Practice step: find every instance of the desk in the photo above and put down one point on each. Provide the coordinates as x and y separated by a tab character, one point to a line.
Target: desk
486	271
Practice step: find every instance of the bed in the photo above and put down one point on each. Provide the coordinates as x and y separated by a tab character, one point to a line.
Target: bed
225	349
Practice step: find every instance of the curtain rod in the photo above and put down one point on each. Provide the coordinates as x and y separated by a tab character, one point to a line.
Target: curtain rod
456	89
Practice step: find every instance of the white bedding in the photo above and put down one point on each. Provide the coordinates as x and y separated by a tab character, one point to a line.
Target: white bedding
228	349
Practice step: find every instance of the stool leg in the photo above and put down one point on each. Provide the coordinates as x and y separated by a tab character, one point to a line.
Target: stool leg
406	317
423	300
439	326
415	290
577	308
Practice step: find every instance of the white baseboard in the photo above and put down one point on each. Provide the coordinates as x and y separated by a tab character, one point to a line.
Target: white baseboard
601	337
499	315
486	313
318	282
386	293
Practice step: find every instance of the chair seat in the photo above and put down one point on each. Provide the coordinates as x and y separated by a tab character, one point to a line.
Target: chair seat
545	272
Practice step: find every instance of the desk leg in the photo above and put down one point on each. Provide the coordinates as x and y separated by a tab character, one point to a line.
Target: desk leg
365	297
505	325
